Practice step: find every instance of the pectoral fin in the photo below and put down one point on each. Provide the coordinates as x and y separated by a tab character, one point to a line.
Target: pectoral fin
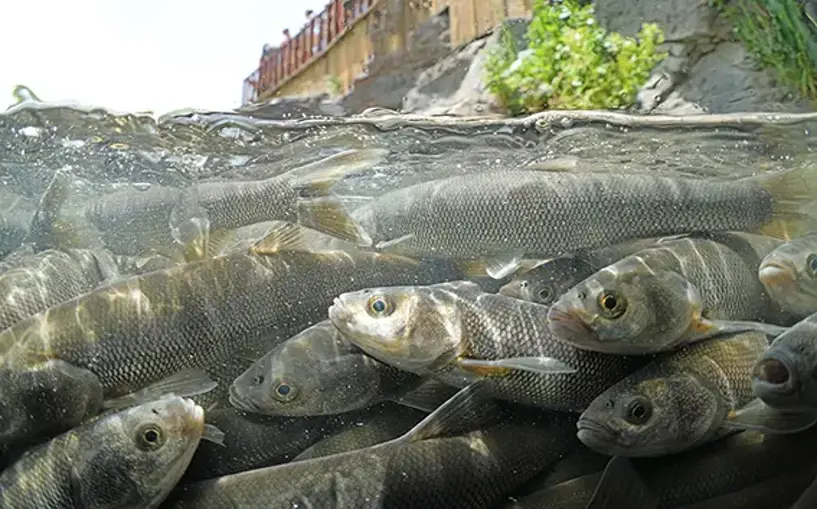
759	416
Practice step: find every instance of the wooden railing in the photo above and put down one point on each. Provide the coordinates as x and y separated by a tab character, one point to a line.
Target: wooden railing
283	62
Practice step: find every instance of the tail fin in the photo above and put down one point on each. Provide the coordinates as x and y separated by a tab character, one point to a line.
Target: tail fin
318	177
47	229
794	194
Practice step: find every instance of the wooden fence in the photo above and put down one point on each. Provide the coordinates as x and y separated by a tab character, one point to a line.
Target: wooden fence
335	48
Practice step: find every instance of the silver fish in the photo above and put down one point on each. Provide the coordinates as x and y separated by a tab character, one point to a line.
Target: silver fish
471	471
122	337
155	220
547	282
510	216
676	402
713	476
317	372
37	282
783	380
130	459
679	291
789	274
457	334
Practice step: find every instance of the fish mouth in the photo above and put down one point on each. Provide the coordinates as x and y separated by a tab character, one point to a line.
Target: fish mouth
570	325
776	381
595	435
240	402
777	274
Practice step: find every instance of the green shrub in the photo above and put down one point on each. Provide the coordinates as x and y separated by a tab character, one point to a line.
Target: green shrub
571	62
780	37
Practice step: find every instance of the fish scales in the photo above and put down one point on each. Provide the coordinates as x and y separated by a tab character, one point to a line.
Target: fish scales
502	328
727	284
437	326
684	396
45	280
473	471
109	462
738	462
142	329
546	213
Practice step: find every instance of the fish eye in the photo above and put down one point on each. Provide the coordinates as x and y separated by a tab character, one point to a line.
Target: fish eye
258	380
811	263
612	304
378	305
149	437
283	391
544	294
638	411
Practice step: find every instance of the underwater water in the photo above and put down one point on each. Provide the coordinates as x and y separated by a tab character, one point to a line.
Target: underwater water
567	310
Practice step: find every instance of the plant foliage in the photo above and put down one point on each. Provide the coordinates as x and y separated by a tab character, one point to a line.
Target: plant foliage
571	62
780	34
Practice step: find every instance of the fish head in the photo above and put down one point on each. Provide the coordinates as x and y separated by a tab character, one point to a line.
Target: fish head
409	327
626	309
139	454
649	414
546	283
789	274
317	372
786	376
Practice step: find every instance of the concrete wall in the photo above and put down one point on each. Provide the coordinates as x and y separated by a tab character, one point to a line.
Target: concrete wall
386	31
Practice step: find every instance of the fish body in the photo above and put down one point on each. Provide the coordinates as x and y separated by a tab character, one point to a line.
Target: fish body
715	474
135	222
130	459
678	291
471	471
518	214
443	330
678	401
380	424
789	274
255	441
135	332
547	282
43	280
16	214
317	372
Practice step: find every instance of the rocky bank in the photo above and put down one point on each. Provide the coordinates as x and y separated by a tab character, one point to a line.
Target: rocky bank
706	70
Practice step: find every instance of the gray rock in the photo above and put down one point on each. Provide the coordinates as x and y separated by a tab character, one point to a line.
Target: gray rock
455	85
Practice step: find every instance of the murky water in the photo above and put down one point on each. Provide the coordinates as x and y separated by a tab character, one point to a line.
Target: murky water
102	152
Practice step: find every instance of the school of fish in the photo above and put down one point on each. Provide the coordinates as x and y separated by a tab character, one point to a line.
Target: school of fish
520	338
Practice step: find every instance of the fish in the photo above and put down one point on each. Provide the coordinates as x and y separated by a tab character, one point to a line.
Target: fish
546	283
679	291
783	383
318	372
458	334
37	282
676	402
137	222
298	196
713	475
502	218
380	424
430	466
16	214
550	280
789	274
254	441
125	336
128	459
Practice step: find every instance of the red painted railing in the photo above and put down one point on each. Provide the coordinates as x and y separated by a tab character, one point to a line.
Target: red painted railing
282	62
